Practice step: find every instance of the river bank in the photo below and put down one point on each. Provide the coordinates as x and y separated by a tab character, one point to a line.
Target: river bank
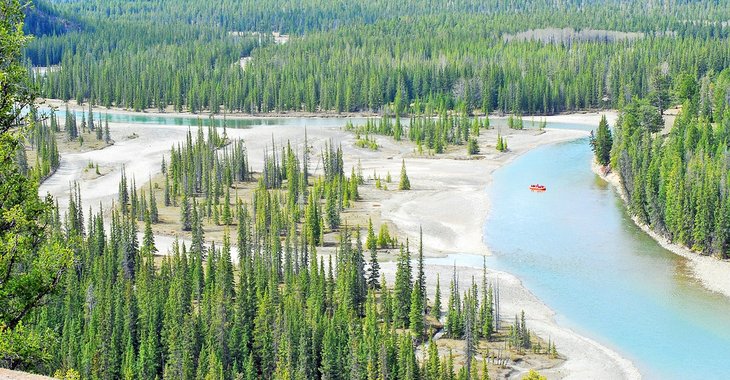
448	200
711	272
586	117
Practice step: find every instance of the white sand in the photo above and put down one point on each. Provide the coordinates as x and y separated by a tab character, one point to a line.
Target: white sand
6	374
711	272
589	118
140	157
448	199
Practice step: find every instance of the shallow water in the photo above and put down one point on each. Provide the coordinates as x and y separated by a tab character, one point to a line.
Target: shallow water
194	121
576	249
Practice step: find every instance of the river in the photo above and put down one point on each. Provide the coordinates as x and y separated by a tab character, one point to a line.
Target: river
576	248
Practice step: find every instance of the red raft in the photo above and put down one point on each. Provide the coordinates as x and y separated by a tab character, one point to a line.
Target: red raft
538	187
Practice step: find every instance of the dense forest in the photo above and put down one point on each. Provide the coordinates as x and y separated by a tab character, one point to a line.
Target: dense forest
677	179
364	56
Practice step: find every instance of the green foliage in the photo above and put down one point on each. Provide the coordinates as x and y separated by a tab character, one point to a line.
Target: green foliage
470	317
42	136
436	308
482	61
515	122
384	239
34	254
675	182
404	183
501	143
534	375
403	288
373	272
24	348
601	142
473	147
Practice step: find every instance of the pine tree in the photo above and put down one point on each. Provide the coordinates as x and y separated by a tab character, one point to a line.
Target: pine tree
107	132
148	241
421	274
602	142
473	146
384	236
198	234
404	183
227	217
373	273
403	286
436	309
99	133
331	210
185	217
433	361
416	314
154	213
501	143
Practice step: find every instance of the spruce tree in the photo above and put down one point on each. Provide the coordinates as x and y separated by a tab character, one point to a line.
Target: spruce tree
602	142
154	213
384	240
403	286
168	202
227	216
436	309
415	316
485	370
404	183
107	132
185	216
373	275
421	274
148	241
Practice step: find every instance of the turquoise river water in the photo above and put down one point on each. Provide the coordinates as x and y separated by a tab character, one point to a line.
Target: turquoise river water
576	248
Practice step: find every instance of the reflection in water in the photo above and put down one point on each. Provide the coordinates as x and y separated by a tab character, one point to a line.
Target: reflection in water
194	121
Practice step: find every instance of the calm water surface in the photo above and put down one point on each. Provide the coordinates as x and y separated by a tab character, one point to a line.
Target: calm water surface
575	247
194	121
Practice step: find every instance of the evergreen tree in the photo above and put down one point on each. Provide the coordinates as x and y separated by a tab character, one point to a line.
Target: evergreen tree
384	239
107	132
154	212
227	217
473	146
416	314
403	288
373	274
404	183
185	217
436	309
601	142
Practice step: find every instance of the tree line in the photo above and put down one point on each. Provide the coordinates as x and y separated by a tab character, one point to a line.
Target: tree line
676	179
127	57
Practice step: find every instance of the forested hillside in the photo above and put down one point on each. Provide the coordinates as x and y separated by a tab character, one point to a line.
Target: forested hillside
366	56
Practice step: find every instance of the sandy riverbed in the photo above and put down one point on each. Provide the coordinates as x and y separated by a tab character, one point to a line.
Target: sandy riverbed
448	199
